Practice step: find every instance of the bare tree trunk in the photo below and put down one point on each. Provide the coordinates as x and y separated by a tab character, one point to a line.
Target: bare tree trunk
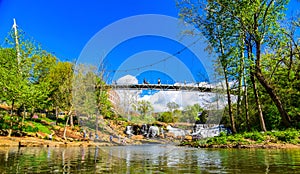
261	117
24	115
246	105
243	80
240	78
71	121
56	114
65	129
229	102
275	98
11	115
96	126
12	107
224	66
240	74
257	101
284	115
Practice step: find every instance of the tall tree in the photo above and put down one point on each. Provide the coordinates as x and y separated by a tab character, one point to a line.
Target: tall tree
218	28
60	78
84	97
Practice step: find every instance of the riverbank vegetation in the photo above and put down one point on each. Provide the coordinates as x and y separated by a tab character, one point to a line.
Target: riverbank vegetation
253	139
257	49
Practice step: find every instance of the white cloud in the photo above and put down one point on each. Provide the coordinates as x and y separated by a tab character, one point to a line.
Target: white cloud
128	79
160	99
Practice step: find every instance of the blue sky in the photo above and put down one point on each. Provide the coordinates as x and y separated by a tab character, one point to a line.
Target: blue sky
64	27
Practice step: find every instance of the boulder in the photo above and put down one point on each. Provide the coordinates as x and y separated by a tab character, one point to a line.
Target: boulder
188	138
137	137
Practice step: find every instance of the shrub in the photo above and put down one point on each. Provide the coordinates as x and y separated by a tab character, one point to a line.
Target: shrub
41	128
217	140
166	117
236	138
289	136
255	136
29	128
222	134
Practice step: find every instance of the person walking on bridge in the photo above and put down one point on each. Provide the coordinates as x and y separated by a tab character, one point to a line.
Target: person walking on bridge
145	81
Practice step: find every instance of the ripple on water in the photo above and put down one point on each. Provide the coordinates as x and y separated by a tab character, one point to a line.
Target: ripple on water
147	159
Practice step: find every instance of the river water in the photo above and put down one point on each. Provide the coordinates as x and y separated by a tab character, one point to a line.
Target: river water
147	159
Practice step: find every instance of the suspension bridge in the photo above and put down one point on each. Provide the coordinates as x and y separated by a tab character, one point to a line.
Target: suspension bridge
163	87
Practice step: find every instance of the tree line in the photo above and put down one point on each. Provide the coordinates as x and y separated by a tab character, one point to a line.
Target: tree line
34	81
257	47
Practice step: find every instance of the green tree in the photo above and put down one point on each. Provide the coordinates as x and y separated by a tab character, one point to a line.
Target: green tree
39	87
84	97
218	28
191	114
144	107
10	81
166	117
10	78
60	78
105	106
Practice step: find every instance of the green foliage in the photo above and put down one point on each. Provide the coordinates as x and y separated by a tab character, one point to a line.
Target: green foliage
218	140
40	127
255	136
224	139
144	107
166	117
5	125
250	41
84	92
29	128
60	80
289	136
272	117
148	119
48	120
190	114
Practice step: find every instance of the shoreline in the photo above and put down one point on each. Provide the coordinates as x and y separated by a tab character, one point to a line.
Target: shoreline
249	146
37	142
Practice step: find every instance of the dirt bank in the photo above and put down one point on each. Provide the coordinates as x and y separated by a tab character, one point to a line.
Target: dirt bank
36	142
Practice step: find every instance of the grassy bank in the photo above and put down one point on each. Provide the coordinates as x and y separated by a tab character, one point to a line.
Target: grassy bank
270	139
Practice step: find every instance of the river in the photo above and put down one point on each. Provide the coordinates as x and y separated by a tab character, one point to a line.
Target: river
147	159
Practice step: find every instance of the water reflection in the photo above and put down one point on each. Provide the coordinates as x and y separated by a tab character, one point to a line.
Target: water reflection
147	159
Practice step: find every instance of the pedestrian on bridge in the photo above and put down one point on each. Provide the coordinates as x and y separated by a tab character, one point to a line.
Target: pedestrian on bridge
145	81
